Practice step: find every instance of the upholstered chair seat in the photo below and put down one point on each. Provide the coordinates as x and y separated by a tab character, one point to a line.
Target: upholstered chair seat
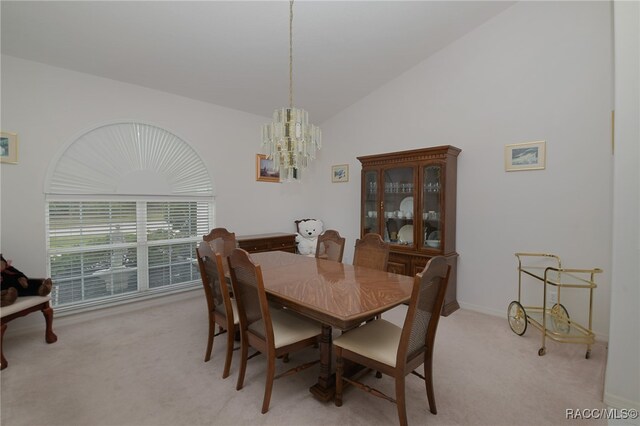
379	341
288	328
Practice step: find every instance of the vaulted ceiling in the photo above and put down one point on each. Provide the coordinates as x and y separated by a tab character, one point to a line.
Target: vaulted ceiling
235	53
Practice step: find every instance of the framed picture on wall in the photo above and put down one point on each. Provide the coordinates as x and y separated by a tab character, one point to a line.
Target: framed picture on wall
340	173
524	156
265	169
8	148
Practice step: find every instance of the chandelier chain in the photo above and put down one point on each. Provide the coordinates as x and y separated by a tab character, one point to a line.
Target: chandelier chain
290	140
291	54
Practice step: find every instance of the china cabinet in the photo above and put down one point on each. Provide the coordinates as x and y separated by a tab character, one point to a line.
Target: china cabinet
409	198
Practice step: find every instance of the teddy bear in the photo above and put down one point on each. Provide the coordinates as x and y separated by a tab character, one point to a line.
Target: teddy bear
14	284
307	235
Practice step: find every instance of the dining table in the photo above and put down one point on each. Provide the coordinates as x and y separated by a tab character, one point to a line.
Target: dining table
335	294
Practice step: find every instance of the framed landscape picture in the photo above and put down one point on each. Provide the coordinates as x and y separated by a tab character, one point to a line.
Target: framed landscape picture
340	173
265	169
8	148
524	156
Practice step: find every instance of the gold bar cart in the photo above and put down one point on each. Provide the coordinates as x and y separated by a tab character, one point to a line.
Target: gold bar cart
554	321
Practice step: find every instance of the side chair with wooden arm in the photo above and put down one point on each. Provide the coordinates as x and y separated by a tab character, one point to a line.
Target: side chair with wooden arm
25	305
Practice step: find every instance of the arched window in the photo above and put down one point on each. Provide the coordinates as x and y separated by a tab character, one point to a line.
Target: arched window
126	205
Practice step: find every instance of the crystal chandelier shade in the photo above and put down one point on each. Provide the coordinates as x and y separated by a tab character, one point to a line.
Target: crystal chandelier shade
289	140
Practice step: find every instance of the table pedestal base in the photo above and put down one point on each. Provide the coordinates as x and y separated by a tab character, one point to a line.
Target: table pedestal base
326	387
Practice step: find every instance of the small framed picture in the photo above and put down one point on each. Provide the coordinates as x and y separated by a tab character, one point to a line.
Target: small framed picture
265	169
524	156
8	148
340	173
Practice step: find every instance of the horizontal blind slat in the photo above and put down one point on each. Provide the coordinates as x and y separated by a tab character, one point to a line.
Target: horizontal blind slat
93	246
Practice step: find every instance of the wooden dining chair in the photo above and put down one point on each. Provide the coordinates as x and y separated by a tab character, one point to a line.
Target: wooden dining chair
396	351
221	241
273	332
221	307
371	252
330	246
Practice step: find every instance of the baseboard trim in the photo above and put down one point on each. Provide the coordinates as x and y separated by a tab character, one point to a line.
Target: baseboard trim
601	338
483	310
615	401
99	312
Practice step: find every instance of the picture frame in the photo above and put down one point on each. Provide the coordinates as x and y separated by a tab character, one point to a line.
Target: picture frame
8	148
525	156
265	169
340	173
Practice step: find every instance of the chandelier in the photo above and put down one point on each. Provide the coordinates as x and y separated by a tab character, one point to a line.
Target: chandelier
289	140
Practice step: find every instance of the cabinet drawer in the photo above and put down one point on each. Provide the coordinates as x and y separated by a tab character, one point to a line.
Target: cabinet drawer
267	242
399	264
281	243
254	245
397	268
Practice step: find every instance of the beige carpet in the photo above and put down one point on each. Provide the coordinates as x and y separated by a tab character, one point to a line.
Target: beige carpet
145	367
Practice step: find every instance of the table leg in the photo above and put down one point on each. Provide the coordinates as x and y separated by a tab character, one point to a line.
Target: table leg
325	388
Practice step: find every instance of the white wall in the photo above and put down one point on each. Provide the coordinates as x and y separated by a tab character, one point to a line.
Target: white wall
622	385
538	71
49	107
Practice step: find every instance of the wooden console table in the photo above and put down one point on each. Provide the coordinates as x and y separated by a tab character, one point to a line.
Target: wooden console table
275	241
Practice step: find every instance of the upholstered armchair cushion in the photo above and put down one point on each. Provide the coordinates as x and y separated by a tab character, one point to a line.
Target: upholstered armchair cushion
23	303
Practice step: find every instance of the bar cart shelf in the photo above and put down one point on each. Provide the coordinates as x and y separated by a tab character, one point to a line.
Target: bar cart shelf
553	321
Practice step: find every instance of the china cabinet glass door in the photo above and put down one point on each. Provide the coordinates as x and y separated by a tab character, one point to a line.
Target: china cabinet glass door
371	203
398	205
432	191
409	198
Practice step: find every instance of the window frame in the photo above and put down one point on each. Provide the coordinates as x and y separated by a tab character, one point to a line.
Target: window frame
142	244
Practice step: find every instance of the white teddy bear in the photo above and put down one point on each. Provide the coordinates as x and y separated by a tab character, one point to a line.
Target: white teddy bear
307	235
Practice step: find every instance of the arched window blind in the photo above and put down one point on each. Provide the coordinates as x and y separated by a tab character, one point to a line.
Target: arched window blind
126	205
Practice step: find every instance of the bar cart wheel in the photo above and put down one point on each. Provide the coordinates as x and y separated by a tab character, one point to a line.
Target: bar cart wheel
588	354
517	318
542	351
560	318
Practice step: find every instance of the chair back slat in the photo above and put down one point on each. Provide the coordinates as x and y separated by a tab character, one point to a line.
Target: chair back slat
248	289
371	252
424	310
330	245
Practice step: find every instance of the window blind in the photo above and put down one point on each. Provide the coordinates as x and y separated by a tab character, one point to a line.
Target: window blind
126	203
105	249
